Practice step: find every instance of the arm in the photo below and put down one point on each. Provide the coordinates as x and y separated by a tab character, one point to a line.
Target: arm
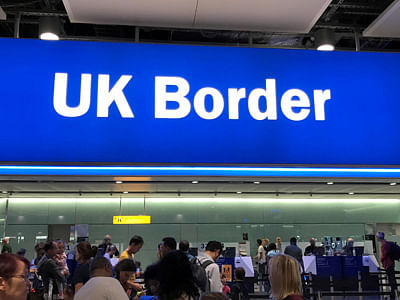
215	279
55	271
385	248
78	286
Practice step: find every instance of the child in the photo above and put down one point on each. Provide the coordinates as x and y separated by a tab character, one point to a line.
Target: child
226	289
239	290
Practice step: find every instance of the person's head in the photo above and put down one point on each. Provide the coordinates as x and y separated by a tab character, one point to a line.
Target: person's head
259	242
111	250
272	246
83	252
135	244
124	270
284	276
4	241
176	277
214	249
14	283
167	244
240	273
380	236
265	242
94	251
100	267
21	252
214	296
107	239
278	240
223	279
293	241
50	248
312	242
350	242
60	246
184	246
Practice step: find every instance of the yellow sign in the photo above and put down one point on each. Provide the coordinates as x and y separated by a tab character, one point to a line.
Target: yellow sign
131	220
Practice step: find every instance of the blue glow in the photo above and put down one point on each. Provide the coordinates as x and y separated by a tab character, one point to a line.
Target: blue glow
199	171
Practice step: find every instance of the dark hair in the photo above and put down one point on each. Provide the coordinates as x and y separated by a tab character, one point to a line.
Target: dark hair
8	264
213	246
85	250
125	265
175	277
184	245
137	240
293	240
48	245
151	273
94	251
98	263
240	273
381	235
272	246
214	296
259	242
169	242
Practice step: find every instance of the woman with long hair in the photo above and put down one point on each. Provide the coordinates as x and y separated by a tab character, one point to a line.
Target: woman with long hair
284	276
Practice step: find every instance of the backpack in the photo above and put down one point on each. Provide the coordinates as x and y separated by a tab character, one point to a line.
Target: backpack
200	274
394	251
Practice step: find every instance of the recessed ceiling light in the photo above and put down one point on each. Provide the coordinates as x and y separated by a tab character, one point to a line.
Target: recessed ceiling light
118	181
238	192
195	182
4	192
125	192
257	182
329	182
351	193
393	183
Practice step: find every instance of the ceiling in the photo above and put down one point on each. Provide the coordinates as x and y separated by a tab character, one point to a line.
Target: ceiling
258	23
273	23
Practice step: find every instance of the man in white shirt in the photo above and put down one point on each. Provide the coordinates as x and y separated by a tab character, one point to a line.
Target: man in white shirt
101	285
261	260
213	251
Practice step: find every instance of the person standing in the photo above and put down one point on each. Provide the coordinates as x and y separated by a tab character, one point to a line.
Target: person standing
135	244
295	252
212	253
388	263
311	249
6	246
103	248
261	260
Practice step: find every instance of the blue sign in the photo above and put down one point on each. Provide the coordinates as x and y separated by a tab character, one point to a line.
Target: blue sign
172	105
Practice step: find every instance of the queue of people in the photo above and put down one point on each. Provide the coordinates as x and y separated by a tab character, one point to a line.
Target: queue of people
175	276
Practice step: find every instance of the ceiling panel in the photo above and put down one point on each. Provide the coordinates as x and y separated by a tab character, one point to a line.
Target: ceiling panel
260	15
273	15
387	24
179	13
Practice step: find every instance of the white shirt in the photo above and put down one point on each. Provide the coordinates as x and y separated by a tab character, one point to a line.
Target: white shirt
101	288
261	255
213	274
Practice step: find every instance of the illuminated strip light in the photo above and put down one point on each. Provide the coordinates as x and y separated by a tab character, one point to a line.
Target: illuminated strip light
200	171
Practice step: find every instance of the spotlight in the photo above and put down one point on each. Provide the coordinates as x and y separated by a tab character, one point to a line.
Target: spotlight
393	183
329	183
49	28
325	40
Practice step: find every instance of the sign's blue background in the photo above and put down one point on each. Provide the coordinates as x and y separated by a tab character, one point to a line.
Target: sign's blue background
361	127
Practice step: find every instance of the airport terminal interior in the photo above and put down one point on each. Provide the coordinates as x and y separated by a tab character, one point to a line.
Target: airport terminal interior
334	178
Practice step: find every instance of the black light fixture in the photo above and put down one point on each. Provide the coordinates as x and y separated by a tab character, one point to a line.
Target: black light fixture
325	40
49	28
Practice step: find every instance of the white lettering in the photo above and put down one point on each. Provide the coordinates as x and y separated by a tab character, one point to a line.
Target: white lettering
199	103
269	93
105	96
60	96
234	97
162	97
320	97
288	102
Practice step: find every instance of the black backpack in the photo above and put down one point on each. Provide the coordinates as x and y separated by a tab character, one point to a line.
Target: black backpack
200	274
394	251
